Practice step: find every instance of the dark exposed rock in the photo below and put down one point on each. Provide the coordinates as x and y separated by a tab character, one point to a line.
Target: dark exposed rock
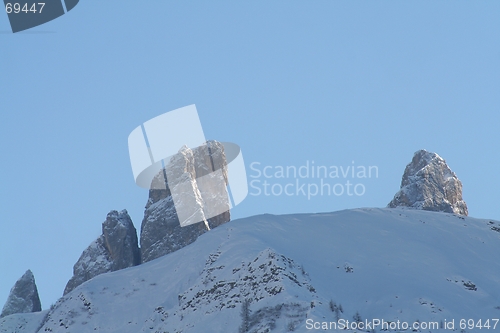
429	184
115	249
194	183
120	239
23	297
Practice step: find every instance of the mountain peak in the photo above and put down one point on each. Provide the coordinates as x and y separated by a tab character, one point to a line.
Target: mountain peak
428	183
115	249
23	297
193	181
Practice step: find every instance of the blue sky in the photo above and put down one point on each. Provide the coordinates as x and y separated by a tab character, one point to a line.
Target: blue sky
290	82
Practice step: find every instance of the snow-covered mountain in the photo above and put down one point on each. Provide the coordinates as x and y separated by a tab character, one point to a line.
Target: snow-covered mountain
293	271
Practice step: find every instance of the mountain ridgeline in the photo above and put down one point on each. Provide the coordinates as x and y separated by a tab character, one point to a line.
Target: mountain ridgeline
274	273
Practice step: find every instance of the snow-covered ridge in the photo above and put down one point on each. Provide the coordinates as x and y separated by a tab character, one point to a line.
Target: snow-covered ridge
391	264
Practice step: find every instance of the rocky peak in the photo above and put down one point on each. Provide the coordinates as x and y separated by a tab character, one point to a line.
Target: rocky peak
23	297
120	239
190	189
429	184
115	249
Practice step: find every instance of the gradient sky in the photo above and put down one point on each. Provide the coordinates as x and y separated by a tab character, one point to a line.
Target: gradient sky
290	82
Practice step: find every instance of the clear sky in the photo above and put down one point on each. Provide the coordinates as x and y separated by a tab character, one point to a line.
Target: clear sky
292	82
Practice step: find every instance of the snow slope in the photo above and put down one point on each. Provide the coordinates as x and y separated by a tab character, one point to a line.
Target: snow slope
22	322
391	264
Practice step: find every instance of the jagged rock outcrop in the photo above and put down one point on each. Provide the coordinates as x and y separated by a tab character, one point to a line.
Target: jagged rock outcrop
429	184
115	249
23	297
190	189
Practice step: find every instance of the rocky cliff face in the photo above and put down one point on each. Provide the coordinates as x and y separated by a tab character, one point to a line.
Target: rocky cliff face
429	184
23	297
115	249
190	189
